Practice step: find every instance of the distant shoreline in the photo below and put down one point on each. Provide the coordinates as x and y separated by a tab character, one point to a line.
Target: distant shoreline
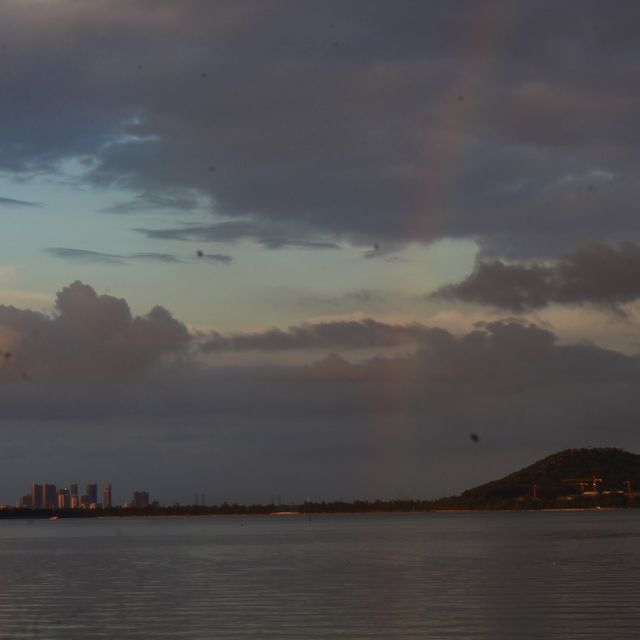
298	515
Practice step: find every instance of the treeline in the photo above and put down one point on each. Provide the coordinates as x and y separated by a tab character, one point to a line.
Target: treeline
496	503
452	503
226	508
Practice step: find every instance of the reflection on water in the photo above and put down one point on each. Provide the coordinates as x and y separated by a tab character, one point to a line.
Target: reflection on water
511	575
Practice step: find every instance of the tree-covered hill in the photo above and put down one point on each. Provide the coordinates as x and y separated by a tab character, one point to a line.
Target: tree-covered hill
555	481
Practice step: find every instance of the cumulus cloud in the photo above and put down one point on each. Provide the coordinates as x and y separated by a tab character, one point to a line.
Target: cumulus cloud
596	274
88	335
360	121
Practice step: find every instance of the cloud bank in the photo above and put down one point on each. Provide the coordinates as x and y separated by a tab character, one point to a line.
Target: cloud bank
365	334
92	372
596	274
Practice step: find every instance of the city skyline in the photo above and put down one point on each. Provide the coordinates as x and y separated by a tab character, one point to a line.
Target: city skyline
49	497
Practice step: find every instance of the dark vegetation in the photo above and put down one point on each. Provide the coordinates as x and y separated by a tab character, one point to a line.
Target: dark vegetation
562	480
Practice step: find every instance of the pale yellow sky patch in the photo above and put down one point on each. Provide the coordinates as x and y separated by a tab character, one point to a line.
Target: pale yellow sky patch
34	300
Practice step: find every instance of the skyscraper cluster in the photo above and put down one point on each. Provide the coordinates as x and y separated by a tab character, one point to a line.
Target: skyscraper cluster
47	496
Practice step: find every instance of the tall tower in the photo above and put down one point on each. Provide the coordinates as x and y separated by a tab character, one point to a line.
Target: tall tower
74	488
106	496
92	492
49	496
36	496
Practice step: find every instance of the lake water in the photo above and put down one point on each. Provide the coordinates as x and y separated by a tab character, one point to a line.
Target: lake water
492	575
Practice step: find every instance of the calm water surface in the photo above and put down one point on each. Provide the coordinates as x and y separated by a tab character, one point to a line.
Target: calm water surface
511	575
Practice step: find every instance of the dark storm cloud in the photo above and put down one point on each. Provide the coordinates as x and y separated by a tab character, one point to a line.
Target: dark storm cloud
11	202
270	236
365	334
83	255
596	274
513	123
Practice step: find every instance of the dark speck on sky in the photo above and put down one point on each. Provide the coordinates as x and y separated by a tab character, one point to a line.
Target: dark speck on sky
474	437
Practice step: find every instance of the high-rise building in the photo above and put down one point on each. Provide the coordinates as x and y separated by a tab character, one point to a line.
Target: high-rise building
49	496
64	499
25	501
140	499
106	496
92	492
74	488
75	501
36	496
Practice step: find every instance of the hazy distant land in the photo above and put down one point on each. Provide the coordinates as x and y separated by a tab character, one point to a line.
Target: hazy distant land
593	478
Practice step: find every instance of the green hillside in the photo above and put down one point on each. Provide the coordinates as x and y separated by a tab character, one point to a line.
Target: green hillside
555	481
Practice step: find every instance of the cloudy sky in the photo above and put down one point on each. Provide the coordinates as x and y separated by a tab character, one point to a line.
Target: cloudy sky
307	248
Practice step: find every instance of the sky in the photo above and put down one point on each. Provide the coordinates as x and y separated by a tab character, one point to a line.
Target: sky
283	247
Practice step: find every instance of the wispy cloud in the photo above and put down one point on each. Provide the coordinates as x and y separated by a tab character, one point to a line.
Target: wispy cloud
155	257
84	255
218	258
12	202
148	201
270	236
